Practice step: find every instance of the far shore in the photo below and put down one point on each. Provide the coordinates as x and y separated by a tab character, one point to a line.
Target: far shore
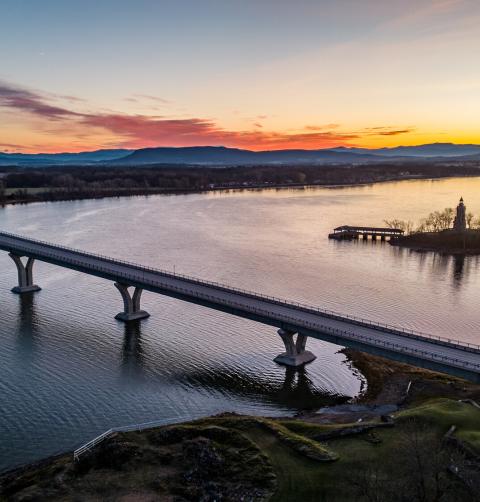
29	195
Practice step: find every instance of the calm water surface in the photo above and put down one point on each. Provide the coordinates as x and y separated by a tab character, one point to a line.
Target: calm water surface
69	371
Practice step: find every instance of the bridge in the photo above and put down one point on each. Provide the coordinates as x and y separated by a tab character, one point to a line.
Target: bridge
295	322
347	232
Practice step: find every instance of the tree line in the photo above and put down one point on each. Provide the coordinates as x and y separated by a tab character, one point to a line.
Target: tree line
436	221
75	182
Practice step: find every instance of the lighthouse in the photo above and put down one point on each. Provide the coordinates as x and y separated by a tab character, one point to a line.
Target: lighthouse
460	222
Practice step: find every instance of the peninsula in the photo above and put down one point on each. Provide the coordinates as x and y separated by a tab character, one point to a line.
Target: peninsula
456	240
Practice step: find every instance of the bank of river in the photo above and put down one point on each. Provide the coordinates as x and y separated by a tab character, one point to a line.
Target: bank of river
235	457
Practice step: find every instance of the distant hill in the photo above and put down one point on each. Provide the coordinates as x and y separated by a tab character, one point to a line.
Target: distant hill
61	158
429	150
223	155
220	155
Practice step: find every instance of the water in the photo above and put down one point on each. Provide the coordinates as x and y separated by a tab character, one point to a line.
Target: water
69	371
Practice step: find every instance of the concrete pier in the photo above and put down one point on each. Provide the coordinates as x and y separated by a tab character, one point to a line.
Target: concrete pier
295	354
131	304
25	275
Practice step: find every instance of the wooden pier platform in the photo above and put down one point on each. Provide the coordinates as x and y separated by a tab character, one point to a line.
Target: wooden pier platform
348	232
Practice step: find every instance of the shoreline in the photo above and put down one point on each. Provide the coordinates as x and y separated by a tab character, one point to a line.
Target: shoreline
59	197
389	384
243	457
445	242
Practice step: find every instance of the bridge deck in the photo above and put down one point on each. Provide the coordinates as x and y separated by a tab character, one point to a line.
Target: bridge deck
454	357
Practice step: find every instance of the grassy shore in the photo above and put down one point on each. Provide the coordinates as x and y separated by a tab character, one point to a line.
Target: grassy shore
431	443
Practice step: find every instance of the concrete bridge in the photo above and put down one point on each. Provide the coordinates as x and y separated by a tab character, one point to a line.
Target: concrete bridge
295	322
348	232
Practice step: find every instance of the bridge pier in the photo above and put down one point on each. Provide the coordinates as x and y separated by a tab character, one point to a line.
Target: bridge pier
25	275
295	354
131	304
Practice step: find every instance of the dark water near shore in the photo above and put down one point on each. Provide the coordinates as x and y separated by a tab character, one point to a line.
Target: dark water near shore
69	371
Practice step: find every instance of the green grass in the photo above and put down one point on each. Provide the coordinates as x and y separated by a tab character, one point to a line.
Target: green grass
298	442
309	429
443	413
300	478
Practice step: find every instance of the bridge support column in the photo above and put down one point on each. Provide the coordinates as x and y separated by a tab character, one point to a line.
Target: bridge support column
365	237
131	304
295	354
25	275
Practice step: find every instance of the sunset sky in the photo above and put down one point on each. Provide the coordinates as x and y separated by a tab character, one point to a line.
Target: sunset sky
258	74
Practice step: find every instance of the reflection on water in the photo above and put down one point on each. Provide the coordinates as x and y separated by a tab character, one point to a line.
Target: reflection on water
27	327
296	390
132	353
69	370
457	266
458	269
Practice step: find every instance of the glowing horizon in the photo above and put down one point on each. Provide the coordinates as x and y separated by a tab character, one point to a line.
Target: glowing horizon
257	75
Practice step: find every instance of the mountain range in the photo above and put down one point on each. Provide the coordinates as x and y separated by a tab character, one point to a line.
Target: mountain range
219	155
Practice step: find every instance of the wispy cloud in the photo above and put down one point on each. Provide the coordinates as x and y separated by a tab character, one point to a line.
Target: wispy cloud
387	131
153	98
321	127
395	132
142	98
28	101
6	147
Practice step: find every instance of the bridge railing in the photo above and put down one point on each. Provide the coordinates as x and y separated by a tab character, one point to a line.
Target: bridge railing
357	336
258	296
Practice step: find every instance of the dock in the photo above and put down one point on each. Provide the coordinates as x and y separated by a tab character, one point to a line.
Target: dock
348	232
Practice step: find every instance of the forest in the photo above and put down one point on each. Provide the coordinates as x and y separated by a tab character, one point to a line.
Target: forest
22	184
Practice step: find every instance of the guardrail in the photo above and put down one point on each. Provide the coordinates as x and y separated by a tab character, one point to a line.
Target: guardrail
222	287
88	446
127	428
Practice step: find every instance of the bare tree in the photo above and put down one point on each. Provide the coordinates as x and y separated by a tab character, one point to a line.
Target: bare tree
418	469
406	226
469	217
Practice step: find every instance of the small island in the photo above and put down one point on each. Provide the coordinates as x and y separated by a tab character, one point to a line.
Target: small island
462	238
